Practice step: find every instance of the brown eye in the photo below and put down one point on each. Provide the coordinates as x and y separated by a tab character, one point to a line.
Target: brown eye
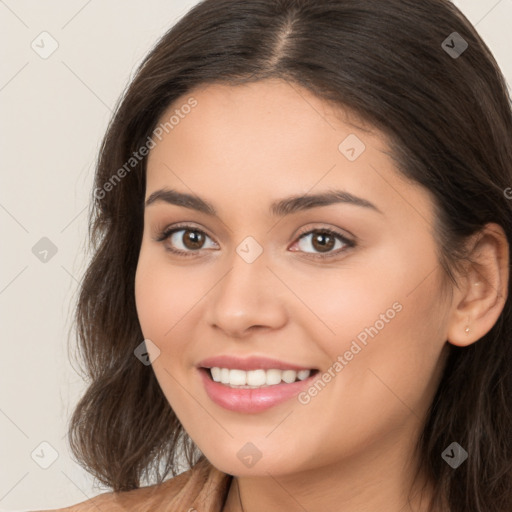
185	240
192	239
323	242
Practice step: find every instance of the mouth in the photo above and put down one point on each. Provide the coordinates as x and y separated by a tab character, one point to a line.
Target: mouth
258	378
253	391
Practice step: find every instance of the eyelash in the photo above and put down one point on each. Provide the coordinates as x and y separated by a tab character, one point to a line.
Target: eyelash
166	234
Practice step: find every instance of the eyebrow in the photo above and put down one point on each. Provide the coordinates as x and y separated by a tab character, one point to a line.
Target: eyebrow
280	208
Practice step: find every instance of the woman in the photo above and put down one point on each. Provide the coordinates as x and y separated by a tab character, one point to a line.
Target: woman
300	280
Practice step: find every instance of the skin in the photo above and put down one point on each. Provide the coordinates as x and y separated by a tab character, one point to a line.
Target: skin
351	447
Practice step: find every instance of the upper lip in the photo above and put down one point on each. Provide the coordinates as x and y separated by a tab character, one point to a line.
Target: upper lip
249	363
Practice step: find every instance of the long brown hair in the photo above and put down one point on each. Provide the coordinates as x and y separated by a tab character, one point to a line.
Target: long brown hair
448	117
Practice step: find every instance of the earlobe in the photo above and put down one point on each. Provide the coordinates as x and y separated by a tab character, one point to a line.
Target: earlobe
484	288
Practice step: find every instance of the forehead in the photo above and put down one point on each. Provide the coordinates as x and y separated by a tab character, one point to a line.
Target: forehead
273	111
269	139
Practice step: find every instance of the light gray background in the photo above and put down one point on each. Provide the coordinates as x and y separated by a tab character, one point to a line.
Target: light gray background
54	113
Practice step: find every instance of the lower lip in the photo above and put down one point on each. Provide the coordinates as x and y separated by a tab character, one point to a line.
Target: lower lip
251	400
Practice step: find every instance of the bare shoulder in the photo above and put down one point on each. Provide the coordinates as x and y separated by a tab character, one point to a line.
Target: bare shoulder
140	500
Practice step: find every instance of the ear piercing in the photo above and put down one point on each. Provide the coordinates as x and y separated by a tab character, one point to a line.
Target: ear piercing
466	330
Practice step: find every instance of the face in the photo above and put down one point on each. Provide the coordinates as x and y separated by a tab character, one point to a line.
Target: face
349	287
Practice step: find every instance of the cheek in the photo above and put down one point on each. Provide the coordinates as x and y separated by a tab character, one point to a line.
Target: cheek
164	294
385	321
169	302
164	299
366	294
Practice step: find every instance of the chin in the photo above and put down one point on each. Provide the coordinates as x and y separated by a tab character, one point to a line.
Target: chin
248	460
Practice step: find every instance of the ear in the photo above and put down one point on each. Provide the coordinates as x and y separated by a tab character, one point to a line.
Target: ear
483	289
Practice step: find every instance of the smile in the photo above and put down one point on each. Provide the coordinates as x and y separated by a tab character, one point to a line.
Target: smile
255	379
253	398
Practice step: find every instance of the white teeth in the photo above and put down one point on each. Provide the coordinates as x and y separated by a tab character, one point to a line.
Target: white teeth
273	377
256	378
224	375
303	374
289	376
216	373
237	377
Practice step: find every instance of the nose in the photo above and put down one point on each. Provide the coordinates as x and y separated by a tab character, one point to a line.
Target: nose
248	297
